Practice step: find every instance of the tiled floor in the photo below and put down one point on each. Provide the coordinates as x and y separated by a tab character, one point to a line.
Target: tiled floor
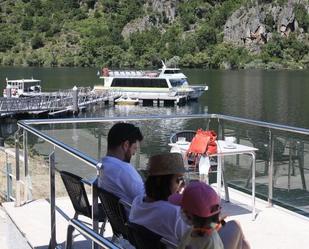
273	228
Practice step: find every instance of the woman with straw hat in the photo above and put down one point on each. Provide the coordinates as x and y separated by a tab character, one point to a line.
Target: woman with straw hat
154	211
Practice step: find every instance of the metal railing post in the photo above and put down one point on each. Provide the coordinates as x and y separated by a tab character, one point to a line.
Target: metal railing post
9	180
271	168
253	185
99	143
95	205
18	183
138	157
220	129
53	242
27	194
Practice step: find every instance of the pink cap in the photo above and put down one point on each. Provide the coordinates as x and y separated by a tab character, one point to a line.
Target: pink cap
200	199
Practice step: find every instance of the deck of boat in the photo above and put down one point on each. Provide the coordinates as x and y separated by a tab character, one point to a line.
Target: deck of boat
273	228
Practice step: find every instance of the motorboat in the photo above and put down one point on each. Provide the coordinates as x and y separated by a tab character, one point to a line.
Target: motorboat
165	82
22	88
125	100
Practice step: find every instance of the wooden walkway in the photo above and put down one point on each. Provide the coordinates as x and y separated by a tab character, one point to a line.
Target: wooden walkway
54	102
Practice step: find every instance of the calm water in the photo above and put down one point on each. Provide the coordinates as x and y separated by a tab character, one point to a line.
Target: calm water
273	96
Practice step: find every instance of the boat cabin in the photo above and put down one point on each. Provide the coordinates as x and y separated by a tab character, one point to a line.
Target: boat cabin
22	87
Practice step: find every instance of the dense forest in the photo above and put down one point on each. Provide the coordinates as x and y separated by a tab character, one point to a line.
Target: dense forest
140	33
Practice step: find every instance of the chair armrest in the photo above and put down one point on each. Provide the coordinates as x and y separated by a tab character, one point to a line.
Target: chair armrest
91	181
126	204
168	243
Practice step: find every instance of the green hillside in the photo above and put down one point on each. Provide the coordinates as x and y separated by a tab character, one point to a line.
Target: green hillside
139	33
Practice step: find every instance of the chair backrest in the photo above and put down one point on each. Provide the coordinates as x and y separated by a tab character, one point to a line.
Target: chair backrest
77	193
115	212
188	134
264	151
143	238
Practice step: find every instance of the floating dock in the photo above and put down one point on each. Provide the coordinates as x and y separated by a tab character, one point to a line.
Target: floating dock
66	101
75	100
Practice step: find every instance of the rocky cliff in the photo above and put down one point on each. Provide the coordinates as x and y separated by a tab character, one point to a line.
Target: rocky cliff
254	25
157	13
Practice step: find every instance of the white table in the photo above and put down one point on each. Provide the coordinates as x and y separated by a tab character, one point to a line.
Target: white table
224	150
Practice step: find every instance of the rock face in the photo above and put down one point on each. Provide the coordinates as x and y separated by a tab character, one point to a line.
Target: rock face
165	7
140	24
253	26
165	12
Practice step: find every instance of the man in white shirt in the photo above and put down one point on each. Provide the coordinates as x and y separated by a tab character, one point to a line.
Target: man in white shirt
117	175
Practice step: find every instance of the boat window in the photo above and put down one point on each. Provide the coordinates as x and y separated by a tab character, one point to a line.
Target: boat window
139	82
177	82
171	71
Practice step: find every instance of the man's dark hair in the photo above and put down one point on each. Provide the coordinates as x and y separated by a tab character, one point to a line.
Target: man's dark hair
122	132
158	187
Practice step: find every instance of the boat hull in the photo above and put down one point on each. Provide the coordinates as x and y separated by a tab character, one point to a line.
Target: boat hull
193	92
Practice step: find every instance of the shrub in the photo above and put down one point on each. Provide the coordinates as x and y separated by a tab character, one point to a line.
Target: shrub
37	42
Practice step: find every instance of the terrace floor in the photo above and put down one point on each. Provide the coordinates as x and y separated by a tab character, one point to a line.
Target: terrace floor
28	226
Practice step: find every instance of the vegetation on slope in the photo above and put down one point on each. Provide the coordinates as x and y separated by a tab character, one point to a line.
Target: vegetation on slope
89	33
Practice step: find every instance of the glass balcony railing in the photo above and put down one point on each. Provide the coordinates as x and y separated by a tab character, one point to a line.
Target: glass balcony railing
282	166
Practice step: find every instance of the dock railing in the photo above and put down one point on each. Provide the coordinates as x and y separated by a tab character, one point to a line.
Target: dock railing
282	160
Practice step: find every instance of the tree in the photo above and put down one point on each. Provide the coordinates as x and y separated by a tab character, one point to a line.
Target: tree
27	23
37	42
7	41
302	16
205	36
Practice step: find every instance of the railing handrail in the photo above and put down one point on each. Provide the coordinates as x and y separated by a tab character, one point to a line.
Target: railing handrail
154	117
62	146
280	127
91	234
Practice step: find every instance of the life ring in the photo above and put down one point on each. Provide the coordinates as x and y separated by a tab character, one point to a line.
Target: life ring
14	91
105	71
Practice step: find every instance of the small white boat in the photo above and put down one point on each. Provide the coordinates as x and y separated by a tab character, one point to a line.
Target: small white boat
22	87
165	82
124	100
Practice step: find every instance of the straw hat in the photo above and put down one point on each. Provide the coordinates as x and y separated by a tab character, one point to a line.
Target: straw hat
166	164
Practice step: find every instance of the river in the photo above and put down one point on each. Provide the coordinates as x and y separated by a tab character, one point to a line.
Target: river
272	96
277	96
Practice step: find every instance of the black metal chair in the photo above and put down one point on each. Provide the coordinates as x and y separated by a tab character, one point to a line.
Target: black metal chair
77	193
188	134
116	213
143	238
296	153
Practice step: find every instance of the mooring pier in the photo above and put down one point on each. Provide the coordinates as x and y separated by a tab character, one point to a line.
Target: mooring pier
52	103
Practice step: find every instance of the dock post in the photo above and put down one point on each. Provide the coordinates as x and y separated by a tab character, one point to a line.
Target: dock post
8	92
75	100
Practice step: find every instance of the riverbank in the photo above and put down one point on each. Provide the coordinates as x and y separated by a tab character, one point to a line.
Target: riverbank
38	184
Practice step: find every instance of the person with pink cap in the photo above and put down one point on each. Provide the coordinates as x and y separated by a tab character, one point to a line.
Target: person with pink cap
201	207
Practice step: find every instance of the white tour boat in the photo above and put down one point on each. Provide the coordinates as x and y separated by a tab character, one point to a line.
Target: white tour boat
166	82
22	87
